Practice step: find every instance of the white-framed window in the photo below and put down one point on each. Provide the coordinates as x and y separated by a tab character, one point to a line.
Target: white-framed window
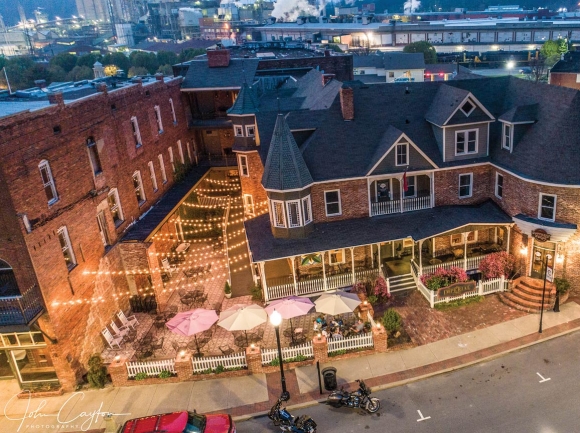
336	256
152	175
469	237
499	185
173	111
293	209
306	210
48	181
66	247
171	161
138	187
411	187
468	107
238	131
402	154
157	111
465	185
248	204
507	136
547	207
250	130
188	152
102	223
278	214
180	150
332	202
94	156
162	167
466	142
244	165
578	78
136	133
115	206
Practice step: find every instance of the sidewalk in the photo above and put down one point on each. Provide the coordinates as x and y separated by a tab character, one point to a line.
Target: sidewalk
244	396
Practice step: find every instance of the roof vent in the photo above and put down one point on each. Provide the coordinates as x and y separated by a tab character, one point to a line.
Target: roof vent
407	121
407	90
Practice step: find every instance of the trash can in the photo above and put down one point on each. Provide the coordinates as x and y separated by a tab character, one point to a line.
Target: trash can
329	376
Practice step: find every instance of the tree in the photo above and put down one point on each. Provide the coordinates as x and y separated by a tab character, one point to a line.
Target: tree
136	70
550	53
165	70
166	58
426	48
65	60
55	74
335	48
80	73
539	70
88	60
120	60
190	54
140	59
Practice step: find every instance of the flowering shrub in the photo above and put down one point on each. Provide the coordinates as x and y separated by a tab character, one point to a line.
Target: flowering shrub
381	290
444	277
497	264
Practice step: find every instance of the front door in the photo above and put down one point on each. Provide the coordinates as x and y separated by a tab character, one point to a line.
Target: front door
543	254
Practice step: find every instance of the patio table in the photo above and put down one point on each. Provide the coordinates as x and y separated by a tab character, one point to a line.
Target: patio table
182	247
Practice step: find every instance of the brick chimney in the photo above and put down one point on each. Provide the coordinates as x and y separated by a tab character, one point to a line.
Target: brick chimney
159	76
102	87
56	98
347	103
327	78
218	58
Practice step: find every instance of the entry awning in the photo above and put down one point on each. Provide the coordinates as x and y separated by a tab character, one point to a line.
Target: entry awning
559	232
365	231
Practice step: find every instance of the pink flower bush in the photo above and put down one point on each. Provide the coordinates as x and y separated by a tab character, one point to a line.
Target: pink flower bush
497	264
381	290
444	277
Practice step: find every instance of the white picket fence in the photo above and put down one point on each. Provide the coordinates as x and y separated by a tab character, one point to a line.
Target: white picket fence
363	340
481	288
152	368
268	355
394	206
235	360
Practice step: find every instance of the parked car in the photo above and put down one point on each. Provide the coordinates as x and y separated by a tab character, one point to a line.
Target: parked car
403	80
180	422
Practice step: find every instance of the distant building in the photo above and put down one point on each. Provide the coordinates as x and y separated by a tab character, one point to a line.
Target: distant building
566	72
390	67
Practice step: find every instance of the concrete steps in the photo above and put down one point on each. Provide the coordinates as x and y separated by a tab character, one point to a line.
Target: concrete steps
526	295
402	283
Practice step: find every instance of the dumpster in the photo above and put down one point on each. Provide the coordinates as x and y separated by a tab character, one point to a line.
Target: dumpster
329	376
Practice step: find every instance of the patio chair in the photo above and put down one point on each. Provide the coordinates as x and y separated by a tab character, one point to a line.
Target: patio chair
178	347
208	270
167	267
120	331
130	321
112	340
226	350
157	344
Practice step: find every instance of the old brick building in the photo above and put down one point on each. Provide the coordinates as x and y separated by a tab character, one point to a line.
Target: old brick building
402	179
566	72
75	175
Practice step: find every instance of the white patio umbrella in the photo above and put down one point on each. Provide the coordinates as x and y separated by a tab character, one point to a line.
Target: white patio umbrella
242	317
337	303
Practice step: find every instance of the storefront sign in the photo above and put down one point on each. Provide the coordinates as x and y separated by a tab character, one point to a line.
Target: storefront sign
541	235
456	289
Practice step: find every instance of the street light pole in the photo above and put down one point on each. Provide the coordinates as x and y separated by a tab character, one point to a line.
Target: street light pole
543	295
275	320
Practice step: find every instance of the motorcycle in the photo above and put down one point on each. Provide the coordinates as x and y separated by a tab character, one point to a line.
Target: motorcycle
287	422
357	399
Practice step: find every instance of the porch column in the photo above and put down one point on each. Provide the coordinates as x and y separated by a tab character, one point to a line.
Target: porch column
324	285
293	258
421	257
413	252
352	264
465	251
401	194
432	189
507	247
379	256
263	278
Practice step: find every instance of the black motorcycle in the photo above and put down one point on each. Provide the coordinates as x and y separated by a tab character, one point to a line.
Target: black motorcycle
288	423
359	398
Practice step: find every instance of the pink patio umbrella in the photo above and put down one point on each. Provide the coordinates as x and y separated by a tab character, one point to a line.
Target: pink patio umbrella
292	306
192	322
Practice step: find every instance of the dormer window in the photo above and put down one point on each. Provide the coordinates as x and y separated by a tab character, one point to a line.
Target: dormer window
250	130
507	136
239	131
466	142
467	108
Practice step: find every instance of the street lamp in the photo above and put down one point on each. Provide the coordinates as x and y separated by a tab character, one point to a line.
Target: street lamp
548	258
510	65
275	320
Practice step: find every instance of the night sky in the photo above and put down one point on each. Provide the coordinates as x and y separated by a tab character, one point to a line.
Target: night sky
61	8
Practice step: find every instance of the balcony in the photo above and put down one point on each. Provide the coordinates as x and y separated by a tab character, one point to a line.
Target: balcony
388	197
23	309
398	206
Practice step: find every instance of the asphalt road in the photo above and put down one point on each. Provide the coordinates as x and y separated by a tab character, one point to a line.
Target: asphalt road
533	390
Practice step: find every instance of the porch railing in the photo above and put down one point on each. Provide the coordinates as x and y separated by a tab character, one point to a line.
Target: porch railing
235	360
268	355
151	368
356	342
470	264
394	206
316	285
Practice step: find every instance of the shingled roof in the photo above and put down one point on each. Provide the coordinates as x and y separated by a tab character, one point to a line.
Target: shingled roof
445	103
246	102
521	114
200	76
285	168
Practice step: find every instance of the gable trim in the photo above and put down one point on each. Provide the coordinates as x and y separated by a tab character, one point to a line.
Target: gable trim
526	122
476	102
403	135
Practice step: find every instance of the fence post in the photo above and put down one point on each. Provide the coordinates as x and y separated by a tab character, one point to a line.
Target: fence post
480	288
502	282
432	298
118	371
183	366
254	359
379	338
320	348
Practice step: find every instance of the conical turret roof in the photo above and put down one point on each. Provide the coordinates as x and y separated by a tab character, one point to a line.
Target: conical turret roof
245	103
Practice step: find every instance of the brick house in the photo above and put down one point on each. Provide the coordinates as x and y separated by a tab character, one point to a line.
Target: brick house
75	175
566	72
399	179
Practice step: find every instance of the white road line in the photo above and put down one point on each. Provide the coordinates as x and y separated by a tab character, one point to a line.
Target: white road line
422	417
544	379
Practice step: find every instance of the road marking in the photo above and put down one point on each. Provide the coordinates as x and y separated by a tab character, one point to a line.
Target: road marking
422	417
544	379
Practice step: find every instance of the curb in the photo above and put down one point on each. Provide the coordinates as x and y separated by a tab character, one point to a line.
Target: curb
310	403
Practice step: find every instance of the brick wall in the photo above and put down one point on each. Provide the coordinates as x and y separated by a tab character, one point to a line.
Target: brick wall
340	66
252	184
353	197
447	186
564	80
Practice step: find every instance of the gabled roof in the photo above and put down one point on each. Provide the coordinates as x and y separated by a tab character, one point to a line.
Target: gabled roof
447	101
570	63
370	61
246	102
520	114
389	138
404	61
285	168
201	76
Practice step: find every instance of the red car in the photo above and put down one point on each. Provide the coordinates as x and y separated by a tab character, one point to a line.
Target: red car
180	422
